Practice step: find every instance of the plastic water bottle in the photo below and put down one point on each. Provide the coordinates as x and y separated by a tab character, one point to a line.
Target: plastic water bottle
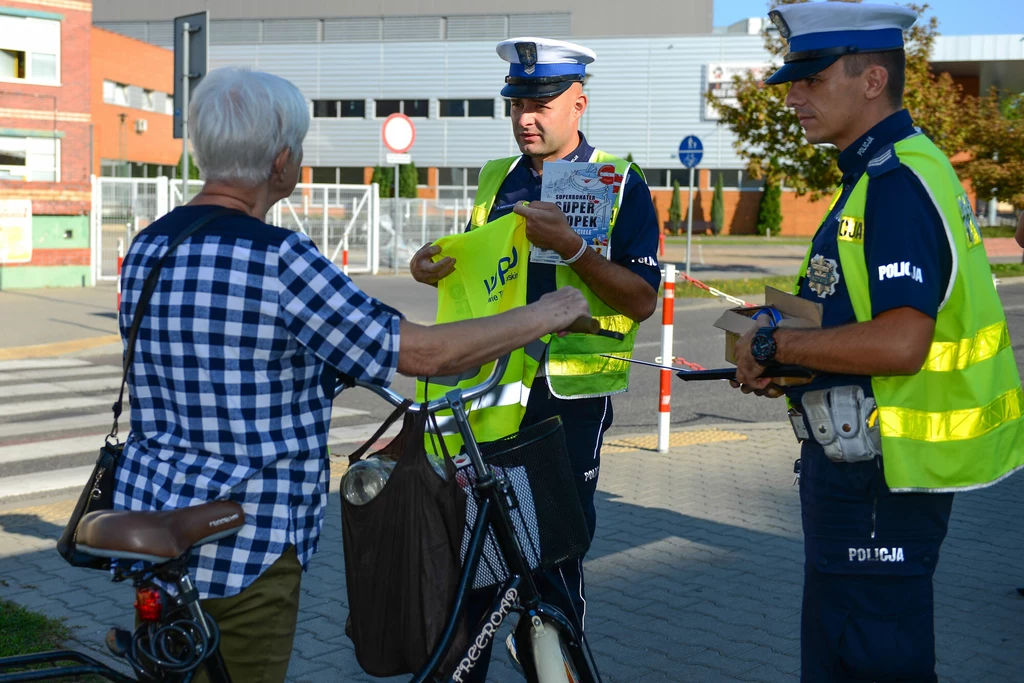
366	479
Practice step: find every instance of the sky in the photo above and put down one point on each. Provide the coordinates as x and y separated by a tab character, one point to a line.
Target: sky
956	17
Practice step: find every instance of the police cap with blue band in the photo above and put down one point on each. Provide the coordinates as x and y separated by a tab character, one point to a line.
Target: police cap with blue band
819	33
540	67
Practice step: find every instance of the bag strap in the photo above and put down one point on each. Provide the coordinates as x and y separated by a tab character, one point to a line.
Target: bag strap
148	287
398	412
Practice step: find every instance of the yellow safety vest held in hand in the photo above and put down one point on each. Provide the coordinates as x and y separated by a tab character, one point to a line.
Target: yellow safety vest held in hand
489	278
957	424
575	367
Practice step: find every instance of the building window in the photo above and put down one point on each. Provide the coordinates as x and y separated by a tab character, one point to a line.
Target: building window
29	49
481	108
353	109
411	108
44	67
115	93
325	109
12	64
461	108
334	175
508	108
452	108
332	109
30	159
416	108
385	108
148	100
730	178
458	176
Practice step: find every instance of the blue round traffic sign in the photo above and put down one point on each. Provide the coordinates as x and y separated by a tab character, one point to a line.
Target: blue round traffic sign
690	151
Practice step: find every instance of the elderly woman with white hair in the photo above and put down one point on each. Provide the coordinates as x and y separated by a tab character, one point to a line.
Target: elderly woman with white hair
237	355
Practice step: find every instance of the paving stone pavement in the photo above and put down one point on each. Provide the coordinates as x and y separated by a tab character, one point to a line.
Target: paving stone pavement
695	574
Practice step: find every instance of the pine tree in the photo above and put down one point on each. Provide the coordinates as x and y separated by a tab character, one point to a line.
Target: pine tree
193	170
675	212
385	177
408	178
769	212
718	208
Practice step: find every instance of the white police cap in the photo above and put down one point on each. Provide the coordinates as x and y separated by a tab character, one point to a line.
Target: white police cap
542	67
819	33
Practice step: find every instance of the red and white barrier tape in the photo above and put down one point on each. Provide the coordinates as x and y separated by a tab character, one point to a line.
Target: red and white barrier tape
716	292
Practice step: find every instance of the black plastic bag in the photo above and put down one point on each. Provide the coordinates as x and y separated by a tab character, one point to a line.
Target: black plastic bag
402	558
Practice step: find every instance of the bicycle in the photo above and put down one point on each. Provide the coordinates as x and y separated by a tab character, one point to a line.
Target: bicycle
554	651
174	636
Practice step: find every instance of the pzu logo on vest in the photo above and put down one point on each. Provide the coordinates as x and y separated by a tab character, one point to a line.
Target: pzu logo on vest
501	275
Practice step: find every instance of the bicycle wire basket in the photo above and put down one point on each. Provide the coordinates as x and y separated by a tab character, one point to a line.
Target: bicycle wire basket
543	504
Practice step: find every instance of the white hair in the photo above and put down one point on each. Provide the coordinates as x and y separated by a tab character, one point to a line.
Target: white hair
240	120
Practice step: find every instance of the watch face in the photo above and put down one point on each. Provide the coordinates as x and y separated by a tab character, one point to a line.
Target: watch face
762	347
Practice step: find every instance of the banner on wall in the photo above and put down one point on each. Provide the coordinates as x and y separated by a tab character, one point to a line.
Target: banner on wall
721	87
15	231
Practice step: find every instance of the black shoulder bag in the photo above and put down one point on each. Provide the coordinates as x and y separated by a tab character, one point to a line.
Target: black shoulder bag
98	493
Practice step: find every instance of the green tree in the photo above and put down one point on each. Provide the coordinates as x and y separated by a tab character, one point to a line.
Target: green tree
385	177
193	170
675	212
718	208
769	211
995	145
408	178
770	138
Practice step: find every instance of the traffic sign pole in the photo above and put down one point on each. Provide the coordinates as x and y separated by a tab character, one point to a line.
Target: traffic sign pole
185	86
689	224
690	152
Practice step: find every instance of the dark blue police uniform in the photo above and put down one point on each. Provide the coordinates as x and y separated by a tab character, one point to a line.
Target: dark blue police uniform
634	245
539	69
870	554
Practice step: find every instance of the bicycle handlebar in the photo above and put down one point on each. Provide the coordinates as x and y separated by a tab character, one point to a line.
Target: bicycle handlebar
437	404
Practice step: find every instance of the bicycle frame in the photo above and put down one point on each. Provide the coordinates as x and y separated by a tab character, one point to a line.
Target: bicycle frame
518	593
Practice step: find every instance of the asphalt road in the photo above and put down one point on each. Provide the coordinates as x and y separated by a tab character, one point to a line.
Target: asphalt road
53	412
695	338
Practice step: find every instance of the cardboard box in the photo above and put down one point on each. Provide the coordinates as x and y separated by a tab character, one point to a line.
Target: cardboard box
796	313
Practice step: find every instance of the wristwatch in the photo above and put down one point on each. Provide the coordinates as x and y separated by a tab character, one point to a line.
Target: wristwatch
763	347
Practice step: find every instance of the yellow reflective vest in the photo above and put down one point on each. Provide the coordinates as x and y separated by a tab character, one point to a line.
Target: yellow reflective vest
575	367
958	423
489	278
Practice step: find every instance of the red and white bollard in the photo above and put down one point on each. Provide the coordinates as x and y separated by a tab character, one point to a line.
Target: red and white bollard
344	257
120	260
667	357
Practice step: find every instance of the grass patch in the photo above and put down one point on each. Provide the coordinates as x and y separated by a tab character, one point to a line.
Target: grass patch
24	632
737	287
725	240
999	231
1008	269
756	285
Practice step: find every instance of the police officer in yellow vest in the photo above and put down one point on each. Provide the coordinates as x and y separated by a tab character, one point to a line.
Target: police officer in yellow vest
917	394
545	89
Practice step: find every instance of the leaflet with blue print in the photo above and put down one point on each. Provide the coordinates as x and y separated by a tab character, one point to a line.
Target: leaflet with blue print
586	194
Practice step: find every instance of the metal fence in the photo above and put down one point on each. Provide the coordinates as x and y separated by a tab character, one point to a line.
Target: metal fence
408	224
350	224
121	208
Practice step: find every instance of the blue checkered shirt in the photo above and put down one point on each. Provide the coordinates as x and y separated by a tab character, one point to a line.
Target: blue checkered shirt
232	383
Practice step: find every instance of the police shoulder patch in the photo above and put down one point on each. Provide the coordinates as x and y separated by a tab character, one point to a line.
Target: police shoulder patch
883	162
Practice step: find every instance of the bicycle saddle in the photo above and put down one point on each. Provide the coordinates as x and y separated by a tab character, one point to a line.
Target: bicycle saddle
157	536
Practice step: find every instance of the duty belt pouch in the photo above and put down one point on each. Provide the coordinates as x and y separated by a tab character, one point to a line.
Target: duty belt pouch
842	421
